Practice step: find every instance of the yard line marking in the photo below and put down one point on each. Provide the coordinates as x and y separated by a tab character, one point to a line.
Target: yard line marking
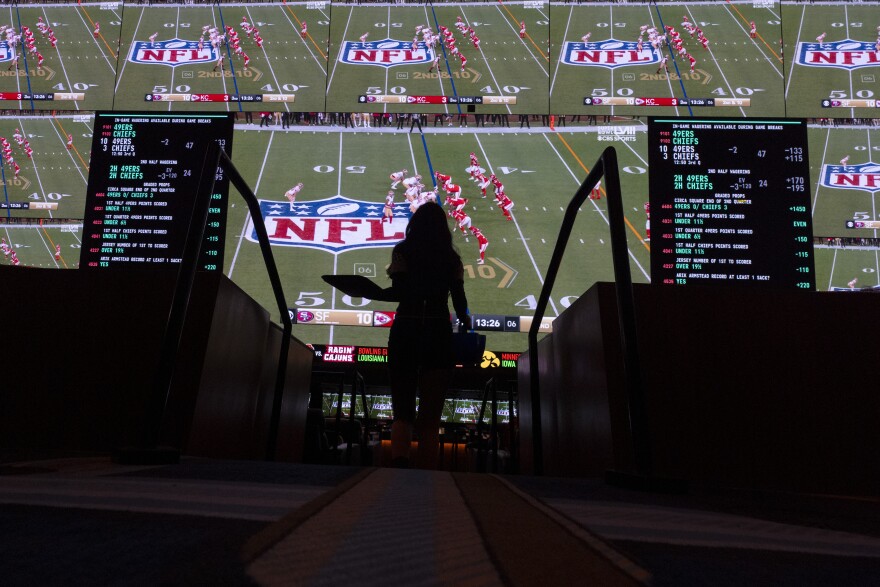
412	154
445	59
269	63
819	180
63	137
336	253
546	15
721	71
106	44
439	78
124	61
611	71
36	168
177	36
308	34
231	64
674	60
247	216
602	189
323	13
489	67
852	111
793	61
52	248
5	191
24	58
339	167
223	77
745	20
831	274
668	78
755	43
518	229
17	78
873	194
532	41
599	210
61	61
877	265
387	28
564	36
336	62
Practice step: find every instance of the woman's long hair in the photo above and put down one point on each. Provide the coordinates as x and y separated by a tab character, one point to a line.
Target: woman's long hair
428	240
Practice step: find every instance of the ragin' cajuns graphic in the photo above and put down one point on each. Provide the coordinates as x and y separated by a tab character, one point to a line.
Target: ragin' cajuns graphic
610	53
336	224
173	52
386	53
865	176
846	54
6	52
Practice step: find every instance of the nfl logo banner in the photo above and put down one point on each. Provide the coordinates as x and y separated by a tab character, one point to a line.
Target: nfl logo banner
6	52
611	53
386	53
172	53
336	224
845	54
865	177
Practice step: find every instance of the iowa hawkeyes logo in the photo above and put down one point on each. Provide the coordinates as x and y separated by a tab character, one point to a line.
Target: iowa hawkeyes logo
490	360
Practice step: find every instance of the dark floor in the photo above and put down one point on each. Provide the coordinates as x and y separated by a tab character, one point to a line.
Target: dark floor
87	520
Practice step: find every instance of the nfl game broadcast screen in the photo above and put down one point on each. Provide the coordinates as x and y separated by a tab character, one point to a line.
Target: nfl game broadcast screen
342	108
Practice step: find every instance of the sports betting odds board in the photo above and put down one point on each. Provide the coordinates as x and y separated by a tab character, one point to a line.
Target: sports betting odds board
143	181
730	202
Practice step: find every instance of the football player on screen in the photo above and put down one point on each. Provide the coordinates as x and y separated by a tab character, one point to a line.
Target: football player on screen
292	193
482	242
397	178
388	208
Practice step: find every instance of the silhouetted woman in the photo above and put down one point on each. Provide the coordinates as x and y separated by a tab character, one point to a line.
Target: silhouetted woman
425	270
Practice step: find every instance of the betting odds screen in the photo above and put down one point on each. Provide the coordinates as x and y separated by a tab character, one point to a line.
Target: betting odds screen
143	180
730	202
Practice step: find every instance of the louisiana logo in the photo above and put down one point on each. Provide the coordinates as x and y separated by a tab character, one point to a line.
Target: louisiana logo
335	224
6	52
864	177
173	52
611	53
845	54
386	53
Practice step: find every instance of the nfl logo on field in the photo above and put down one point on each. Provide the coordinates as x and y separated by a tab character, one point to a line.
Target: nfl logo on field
610	53
864	177
6	52
846	54
173	52
336	224
386	53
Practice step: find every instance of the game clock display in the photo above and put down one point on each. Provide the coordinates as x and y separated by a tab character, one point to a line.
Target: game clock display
143	180
730	202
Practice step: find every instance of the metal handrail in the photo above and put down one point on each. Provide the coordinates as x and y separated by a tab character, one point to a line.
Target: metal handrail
606	166
215	158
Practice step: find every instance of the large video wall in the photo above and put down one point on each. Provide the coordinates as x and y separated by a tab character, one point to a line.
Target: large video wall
324	95
709	57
